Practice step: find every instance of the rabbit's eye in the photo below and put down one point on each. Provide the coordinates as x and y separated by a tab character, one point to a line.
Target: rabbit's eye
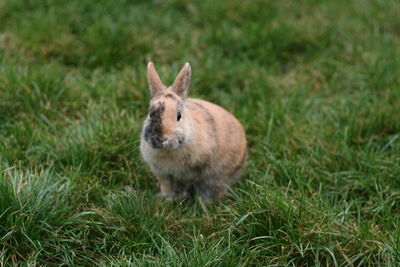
178	116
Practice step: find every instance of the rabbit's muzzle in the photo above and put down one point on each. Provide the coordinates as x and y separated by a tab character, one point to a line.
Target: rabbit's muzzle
153	135
156	135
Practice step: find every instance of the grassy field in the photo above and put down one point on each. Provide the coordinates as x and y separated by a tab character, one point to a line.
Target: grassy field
316	85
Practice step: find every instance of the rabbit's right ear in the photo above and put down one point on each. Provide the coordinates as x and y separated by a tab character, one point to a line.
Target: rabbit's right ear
155	83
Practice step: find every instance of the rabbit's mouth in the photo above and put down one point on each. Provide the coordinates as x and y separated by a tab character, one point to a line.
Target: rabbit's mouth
167	143
155	143
155	138
170	144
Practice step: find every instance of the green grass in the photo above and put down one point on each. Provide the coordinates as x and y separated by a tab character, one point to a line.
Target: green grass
315	83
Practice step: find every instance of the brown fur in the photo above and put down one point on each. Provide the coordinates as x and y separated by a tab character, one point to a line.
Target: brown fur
202	153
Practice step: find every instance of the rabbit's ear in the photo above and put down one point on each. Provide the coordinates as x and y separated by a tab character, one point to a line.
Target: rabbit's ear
155	83
182	81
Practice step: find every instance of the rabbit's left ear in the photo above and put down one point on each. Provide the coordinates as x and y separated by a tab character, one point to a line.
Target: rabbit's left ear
155	83
182	81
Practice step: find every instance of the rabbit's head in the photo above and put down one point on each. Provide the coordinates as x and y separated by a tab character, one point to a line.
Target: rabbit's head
168	125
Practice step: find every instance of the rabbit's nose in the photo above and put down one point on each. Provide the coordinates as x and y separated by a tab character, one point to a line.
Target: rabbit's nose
162	139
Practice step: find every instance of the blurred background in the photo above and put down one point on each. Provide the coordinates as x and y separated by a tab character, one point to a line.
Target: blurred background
315	84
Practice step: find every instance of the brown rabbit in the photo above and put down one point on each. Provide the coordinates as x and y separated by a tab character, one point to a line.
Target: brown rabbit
191	145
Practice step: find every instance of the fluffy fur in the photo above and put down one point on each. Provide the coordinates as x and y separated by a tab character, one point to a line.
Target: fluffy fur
191	145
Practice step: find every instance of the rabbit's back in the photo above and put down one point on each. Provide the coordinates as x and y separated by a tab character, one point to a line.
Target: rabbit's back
219	134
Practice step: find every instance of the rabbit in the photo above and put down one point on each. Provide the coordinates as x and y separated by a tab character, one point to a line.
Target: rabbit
192	146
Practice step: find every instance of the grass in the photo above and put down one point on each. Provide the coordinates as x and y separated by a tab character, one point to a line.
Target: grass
315	83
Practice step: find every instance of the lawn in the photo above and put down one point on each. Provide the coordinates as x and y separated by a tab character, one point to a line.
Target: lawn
316	85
